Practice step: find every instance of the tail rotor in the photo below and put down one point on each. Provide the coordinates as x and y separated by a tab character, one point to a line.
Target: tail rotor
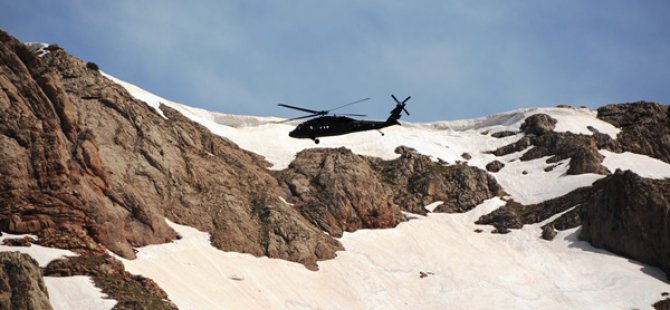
402	103
400	107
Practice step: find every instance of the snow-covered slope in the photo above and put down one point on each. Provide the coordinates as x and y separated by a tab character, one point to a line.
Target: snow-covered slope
383	268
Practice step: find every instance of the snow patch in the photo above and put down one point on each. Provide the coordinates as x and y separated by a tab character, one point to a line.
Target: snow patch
431	207
39	48
527	182
140	94
643	165
578	121
43	255
77	292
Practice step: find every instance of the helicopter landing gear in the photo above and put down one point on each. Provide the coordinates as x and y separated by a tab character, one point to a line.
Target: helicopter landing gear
380	132
316	140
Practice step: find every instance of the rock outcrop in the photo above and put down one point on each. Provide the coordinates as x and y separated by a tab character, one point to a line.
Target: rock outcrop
502	219
417	181
494	166
87	167
130	291
538	124
630	216
582	150
21	283
663	304
339	191
645	128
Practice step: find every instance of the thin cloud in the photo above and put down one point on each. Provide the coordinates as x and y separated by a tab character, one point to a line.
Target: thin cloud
457	59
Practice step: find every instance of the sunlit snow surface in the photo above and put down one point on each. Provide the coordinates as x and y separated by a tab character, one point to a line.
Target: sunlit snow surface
77	292
42	255
643	165
65	293
381	269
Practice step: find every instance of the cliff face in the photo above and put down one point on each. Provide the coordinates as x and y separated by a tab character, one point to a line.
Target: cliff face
417	181
21	284
645	128
339	191
86	167
630	216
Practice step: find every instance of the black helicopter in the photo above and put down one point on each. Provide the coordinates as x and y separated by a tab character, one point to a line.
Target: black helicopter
334	125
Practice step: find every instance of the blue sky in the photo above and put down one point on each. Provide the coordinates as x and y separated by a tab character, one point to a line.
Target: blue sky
458	59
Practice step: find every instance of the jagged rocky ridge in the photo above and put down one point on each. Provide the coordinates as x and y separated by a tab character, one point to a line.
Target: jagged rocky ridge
86	166
341	191
623	213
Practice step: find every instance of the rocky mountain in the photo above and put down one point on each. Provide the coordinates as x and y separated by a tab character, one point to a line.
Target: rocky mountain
623	212
88	167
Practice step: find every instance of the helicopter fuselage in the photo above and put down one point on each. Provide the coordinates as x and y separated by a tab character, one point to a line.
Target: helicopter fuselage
325	126
334	125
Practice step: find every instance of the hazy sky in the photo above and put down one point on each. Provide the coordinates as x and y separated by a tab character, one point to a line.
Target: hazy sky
458	59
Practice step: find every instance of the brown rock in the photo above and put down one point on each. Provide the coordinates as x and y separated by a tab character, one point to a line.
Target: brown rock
21	284
417	181
582	150
340	191
538	124
645	128
518	146
130	291
548	232
662	304
494	166
630	216
502	219
25	241
502	134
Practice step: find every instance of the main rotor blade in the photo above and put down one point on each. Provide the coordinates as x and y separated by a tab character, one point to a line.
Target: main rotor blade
295	118
301	109
396	99
359	115
403	105
348	104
